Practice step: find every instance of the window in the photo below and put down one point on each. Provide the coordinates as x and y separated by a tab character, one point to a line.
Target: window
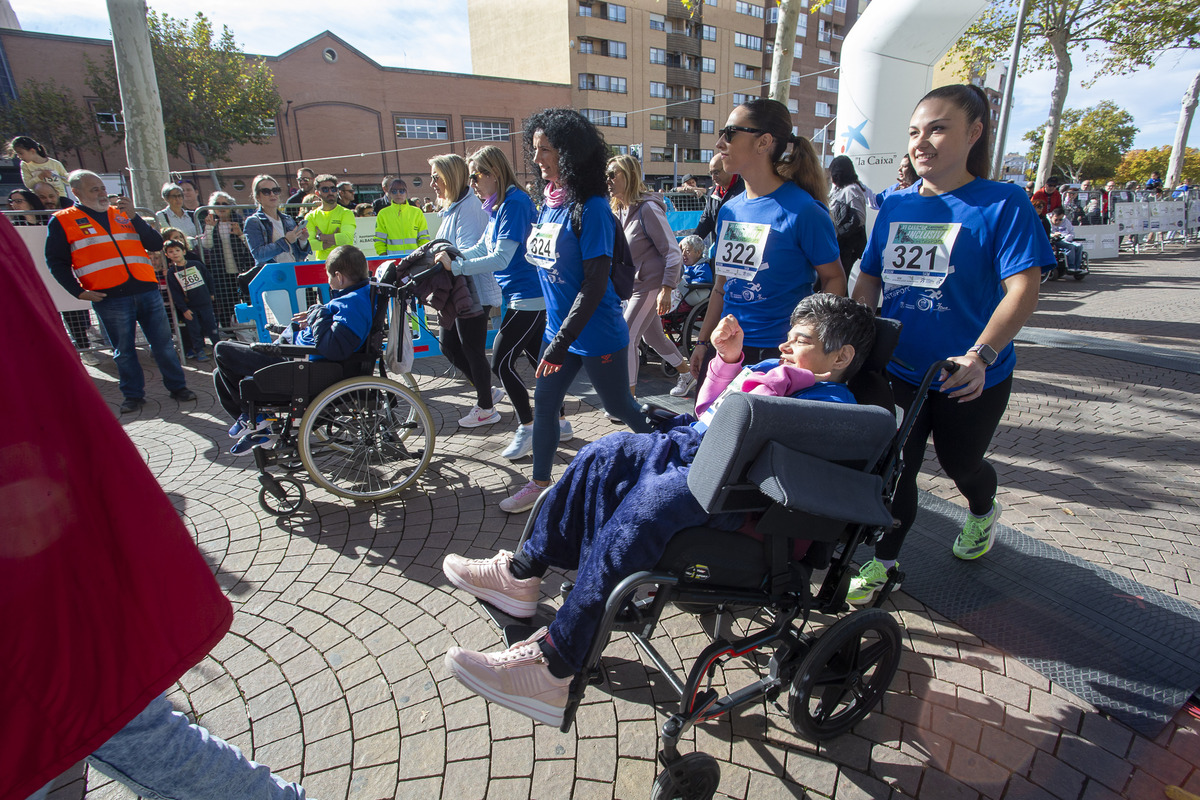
708	65
610	11
483	131
707	96
709	33
706	155
611	119
110	121
418	128
802	26
744	71
601	83
658	122
710	2
827	84
660	90
772	16
747	41
602	47
818	135
823	109
798	50
739	98
267	126
795	79
616	50
620	149
708	126
658	22
839	5
658	55
825	57
585	10
748	8
661	154
615	13
823	33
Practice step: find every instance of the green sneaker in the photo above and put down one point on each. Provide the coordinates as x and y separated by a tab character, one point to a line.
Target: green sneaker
869	580
977	535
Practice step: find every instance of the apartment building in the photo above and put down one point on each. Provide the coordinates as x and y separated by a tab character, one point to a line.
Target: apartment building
656	77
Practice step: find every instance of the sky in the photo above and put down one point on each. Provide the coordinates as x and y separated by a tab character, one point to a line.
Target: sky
433	34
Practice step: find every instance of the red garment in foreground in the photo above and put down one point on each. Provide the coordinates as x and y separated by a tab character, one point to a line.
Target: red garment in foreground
104	598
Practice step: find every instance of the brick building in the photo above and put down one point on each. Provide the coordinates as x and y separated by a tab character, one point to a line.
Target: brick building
336	101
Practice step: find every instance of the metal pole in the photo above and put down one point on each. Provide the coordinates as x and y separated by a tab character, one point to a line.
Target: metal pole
675	159
1006	103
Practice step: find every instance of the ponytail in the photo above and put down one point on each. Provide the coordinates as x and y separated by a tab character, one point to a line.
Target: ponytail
26	143
974	104
801	166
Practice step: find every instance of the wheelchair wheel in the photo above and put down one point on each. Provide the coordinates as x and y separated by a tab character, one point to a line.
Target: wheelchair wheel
279	495
845	674
1083	270
692	325
696	777
366	438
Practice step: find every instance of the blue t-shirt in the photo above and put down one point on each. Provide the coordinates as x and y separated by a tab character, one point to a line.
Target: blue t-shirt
1000	235
802	236
561	274
512	222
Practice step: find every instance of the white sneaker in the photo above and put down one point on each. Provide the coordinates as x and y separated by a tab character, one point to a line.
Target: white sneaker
565	432
522	443
683	385
524	499
478	417
498	396
518	678
491	579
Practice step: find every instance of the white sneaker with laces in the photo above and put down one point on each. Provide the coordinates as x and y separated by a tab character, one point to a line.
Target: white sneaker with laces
522	443
477	417
524	499
491	579
518	678
683	385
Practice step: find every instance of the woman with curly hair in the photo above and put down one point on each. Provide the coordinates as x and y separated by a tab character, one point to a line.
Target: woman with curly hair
584	325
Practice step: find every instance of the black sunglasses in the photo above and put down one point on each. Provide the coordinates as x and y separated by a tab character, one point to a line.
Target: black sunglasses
728	131
324	189
274	190
475	176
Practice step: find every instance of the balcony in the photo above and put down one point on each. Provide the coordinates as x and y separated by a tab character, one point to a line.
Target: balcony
678	76
676	8
684	140
682	43
682	108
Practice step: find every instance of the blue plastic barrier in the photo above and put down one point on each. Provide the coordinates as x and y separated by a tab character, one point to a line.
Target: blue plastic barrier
683	220
287	279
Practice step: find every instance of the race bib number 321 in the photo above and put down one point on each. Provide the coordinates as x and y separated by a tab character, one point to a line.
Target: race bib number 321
918	253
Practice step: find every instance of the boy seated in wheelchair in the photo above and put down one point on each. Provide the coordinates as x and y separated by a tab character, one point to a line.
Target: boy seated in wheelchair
336	330
624	497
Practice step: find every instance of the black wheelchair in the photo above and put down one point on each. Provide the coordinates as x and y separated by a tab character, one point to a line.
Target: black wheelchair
820	473
682	324
1060	268
356	432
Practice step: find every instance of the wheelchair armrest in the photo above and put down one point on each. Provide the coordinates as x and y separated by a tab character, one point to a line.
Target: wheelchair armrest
285	350
802	482
660	417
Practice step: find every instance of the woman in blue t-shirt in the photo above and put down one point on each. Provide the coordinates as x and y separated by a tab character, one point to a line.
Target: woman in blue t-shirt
501	252
958	258
774	240
584	325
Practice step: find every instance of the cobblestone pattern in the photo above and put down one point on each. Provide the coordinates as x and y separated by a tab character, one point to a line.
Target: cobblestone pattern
332	673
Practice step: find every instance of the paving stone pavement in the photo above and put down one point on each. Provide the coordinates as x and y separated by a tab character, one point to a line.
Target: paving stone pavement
332	673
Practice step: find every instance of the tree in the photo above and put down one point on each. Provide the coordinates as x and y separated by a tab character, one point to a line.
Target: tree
213	96
1174	169
1138	164
49	113
1090	141
1118	36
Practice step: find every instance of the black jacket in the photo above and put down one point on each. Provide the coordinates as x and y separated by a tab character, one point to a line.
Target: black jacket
708	217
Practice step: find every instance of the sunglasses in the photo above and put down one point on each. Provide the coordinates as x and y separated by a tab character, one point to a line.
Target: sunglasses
475	176
175	196
728	131
612	176
323	189
273	190
397	191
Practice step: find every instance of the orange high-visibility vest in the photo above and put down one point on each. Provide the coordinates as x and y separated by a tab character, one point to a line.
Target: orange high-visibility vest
100	259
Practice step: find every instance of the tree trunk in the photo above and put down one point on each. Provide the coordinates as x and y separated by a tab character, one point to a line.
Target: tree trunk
1179	148
1058	98
785	46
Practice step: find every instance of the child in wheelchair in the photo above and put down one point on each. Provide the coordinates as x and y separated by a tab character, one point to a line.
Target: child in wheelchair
336	330
624	497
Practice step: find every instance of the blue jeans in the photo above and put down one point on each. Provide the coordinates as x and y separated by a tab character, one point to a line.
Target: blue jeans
203	323
160	756
119	316
609	375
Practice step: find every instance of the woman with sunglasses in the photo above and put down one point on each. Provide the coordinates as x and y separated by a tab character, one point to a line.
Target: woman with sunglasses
273	236
501	252
584	325
958	259
465	342
775	239
25	200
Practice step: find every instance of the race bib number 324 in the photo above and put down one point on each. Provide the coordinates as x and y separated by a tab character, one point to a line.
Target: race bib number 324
541	246
918	253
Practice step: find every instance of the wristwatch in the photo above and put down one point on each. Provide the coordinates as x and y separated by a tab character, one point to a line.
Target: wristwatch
702	342
985	353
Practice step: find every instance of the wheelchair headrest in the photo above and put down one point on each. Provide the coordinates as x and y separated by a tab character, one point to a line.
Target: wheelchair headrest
870	384
887	334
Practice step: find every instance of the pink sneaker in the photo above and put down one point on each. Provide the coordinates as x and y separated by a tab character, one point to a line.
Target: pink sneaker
491	579
518	678
524	499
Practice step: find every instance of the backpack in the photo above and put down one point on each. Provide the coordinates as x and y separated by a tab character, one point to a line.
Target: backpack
623	269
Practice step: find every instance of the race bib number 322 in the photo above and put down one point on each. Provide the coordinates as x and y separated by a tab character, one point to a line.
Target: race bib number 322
740	249
918	253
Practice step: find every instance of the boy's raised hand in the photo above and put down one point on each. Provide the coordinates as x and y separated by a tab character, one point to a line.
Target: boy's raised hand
727	338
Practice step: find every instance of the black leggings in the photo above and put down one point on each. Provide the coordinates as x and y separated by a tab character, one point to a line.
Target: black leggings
962	433
465	344
520	334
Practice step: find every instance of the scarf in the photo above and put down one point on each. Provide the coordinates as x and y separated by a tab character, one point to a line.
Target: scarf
556	196
489	205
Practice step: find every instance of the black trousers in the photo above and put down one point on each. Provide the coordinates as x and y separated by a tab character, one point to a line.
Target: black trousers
520	334
465	344
962	433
